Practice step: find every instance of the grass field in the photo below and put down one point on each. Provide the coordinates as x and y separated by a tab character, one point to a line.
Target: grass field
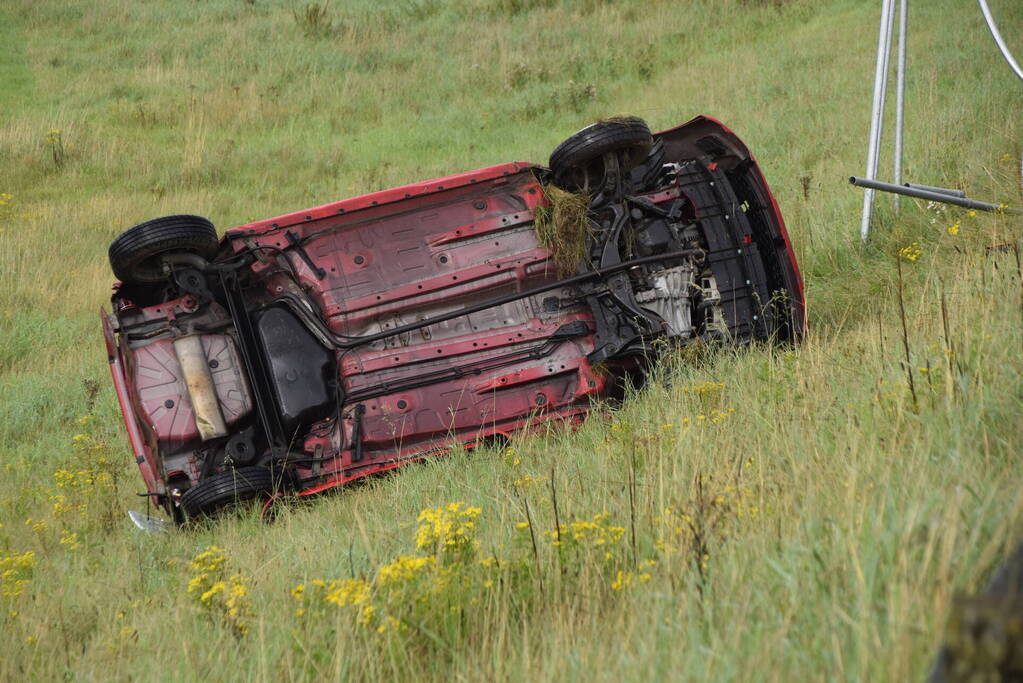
769	514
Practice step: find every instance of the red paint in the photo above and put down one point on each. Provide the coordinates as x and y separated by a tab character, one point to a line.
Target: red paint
408	456
147	462
381	198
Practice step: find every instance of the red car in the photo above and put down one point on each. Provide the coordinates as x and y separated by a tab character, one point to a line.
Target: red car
305	351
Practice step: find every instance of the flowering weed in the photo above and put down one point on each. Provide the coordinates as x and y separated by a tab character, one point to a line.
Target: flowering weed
219	594
448	531
911	252
594	534
15	572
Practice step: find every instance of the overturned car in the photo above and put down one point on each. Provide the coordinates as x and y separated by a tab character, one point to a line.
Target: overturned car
299	353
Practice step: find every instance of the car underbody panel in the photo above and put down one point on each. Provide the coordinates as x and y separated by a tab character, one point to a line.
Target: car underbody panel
360	335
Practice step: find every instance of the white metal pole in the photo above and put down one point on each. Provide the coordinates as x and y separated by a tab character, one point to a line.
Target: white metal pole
877	112
900	96
998	38
889	38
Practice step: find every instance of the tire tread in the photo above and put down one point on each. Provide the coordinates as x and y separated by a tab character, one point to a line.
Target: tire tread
598	139
226	487
183	232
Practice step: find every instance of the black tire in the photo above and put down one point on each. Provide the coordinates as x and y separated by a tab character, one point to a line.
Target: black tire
134	254
228	487
630	136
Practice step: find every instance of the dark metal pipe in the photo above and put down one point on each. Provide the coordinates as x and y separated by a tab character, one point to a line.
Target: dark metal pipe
942	190
933	196
347	342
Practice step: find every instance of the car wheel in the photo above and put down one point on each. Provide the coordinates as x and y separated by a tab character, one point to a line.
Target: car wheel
229	487
573	161
135	254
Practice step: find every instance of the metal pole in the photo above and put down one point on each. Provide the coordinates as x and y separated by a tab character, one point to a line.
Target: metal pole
900	91
877	112
889	38
932	188
998	38
933	196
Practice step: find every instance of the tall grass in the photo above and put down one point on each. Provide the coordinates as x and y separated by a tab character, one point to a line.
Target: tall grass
766	513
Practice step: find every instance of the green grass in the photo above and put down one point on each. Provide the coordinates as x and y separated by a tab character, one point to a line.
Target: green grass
830	519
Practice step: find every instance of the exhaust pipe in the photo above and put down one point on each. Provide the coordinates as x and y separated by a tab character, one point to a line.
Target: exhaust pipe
196	370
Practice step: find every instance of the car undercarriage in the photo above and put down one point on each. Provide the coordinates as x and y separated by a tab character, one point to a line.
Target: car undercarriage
302	352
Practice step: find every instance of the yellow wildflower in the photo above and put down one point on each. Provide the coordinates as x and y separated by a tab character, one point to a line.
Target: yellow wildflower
910	252
450	529
15	572
403	569
217	587
366	613
528	481
69	539
347	592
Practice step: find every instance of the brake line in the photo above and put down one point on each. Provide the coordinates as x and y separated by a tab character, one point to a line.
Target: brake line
345	341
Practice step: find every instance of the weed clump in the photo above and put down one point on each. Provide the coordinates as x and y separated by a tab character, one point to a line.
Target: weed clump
219	594
405	592
563	227
314	20
15	572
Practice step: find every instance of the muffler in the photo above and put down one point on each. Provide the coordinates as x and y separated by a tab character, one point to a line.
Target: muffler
201	391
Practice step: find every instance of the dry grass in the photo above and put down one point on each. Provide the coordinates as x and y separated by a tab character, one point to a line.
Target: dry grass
563	227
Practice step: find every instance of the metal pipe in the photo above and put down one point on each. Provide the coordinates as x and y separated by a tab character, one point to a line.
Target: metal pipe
1003	48
900	93
201	390
889	38
933	196
325	334
931	188
877	112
